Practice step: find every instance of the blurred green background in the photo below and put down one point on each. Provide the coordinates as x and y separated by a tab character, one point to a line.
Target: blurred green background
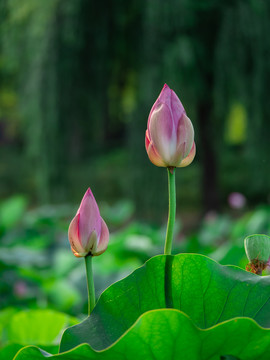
77	81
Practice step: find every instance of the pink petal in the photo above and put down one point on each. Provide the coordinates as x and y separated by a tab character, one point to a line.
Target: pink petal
154	157
90	219
185	136
169	97
163	92
91	246
176	107
74	236
103	240
77	254
163	132
147	140
187	160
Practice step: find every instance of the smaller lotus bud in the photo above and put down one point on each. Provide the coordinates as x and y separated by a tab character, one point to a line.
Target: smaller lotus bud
88	233
169	138
257	249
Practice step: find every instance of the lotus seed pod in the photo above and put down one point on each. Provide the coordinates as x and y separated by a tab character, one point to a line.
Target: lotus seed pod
257	247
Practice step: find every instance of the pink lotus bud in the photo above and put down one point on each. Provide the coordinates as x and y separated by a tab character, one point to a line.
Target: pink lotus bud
169	138
88	234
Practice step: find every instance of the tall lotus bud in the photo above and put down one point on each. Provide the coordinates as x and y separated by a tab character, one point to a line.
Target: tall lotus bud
169	138
88	233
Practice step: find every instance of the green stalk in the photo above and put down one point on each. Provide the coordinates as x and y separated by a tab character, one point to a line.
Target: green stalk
90	283
172	211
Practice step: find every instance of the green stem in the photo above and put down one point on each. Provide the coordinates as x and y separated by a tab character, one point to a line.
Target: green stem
90	283
172	211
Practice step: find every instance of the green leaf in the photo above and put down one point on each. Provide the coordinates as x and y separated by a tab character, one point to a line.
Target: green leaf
11	211
9	351
39	327
42	327
171	334
5	316
207	292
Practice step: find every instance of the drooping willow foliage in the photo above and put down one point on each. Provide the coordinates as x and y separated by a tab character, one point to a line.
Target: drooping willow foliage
84	74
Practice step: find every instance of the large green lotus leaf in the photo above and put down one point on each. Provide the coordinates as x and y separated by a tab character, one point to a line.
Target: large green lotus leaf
9	351
5	316
35	327
43	327
170	334
207	292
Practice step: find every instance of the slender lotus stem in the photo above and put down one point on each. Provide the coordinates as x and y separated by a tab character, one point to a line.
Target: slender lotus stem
172	210
90	284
